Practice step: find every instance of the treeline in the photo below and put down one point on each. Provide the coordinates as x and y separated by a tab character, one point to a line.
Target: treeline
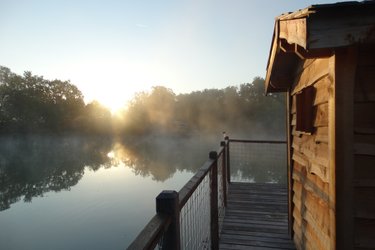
241	111
32	104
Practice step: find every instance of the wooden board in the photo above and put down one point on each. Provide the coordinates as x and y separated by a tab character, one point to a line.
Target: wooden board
364	115
364	90
315	71
294	31
342	27
364	202
364	168
344	118
321	116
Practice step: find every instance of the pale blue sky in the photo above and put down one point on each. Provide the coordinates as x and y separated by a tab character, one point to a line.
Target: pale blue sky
111	49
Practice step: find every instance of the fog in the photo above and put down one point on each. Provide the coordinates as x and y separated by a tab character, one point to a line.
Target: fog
50	136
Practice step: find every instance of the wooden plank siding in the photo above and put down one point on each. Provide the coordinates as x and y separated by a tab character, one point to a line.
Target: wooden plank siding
343	138
329	50
311	159
364	150
256	218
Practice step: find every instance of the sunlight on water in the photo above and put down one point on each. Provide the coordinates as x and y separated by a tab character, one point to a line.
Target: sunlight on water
105	210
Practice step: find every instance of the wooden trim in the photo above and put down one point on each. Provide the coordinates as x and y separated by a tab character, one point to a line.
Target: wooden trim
289	163
294	31
271	60
332	159
345	71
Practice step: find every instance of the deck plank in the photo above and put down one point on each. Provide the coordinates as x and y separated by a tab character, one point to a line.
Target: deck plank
256	217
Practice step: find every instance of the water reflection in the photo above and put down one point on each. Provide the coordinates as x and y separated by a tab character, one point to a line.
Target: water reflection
161	157
32	166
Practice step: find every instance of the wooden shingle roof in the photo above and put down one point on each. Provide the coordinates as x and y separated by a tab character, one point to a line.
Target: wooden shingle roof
316	31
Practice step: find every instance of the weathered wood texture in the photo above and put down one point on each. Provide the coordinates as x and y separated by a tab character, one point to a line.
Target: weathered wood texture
256	218
312	224
364	150
318	28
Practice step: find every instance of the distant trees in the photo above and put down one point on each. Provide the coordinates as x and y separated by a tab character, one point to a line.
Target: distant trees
32	104
242	109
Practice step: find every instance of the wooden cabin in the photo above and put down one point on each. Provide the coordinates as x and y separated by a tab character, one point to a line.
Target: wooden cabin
323	58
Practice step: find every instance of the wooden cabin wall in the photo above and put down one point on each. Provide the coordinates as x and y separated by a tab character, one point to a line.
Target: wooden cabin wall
364	150
312	212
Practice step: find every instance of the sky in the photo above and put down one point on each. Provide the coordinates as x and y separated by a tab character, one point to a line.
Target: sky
113	49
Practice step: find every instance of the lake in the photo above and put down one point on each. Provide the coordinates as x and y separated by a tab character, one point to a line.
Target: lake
80	192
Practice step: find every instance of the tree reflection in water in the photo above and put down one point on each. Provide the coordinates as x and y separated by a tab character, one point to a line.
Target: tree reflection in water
31	166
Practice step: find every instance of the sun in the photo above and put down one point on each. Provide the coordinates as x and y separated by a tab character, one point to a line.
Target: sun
113	83
115	103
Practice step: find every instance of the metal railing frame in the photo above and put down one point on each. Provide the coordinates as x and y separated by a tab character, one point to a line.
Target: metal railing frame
164	227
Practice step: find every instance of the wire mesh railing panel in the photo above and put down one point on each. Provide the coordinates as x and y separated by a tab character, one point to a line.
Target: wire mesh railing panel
195	218
258	162
220	189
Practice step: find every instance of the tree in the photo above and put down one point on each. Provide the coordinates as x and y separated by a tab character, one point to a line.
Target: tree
96	119
29	103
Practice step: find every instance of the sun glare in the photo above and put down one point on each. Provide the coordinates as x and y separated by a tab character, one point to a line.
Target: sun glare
114	105
115	81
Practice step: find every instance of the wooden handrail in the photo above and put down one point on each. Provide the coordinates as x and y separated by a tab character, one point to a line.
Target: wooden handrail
188	189
257	141
149	237
160	223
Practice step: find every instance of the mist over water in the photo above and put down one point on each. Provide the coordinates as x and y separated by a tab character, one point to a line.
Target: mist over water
92	176
75	176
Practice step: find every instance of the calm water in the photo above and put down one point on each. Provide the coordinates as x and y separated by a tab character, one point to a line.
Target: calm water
91	192
85	193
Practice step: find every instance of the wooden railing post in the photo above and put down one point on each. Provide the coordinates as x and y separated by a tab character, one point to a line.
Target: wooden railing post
224	173
167	203
228	158
214	203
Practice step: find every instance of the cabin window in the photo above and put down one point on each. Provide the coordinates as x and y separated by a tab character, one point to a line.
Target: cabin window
305	110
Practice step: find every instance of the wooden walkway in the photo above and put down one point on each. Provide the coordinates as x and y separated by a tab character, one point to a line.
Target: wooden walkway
256	218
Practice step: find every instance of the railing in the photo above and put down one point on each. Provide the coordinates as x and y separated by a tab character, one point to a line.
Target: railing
261	161
192	218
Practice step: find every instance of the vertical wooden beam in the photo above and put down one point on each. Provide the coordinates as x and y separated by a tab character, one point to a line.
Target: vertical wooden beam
345	72
228	158
331	153
214	203
167	203
288	119
224	173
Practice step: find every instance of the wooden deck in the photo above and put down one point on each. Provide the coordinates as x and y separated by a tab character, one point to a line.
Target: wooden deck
256	218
